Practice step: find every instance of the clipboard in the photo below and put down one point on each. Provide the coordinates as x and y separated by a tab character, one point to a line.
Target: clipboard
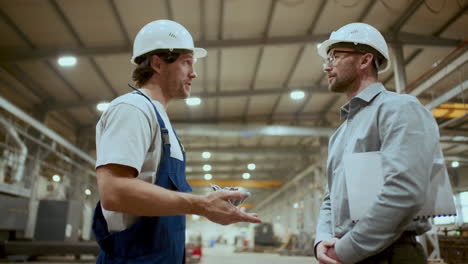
366	168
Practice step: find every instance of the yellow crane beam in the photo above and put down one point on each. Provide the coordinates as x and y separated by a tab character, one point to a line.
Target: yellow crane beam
236	183
450	110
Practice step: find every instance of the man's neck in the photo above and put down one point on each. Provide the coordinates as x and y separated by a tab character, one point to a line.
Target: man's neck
154	91
363	84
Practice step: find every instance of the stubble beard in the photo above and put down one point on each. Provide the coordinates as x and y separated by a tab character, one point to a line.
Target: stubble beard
341	84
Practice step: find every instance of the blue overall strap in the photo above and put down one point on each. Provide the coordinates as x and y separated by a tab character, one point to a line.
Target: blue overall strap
162	125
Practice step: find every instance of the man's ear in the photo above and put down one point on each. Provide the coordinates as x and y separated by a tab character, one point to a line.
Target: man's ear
367	60
156	63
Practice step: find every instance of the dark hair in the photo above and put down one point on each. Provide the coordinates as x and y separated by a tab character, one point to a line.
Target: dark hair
143	71
379	58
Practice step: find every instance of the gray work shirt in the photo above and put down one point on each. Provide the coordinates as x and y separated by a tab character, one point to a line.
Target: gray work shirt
407	136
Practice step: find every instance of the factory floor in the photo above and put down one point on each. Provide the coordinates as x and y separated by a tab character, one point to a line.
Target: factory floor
225	255
215	255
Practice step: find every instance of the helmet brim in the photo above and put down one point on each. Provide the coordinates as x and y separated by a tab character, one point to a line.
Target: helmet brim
323	48
199	53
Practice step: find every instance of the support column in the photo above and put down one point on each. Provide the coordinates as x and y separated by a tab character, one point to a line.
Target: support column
33	168
399	68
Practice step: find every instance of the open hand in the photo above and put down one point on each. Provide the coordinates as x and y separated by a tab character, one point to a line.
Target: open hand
218	209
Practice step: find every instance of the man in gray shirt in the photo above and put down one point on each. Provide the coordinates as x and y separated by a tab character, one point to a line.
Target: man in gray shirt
394	125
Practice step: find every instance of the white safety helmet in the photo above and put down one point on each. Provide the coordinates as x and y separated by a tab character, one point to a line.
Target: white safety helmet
164	34
358	33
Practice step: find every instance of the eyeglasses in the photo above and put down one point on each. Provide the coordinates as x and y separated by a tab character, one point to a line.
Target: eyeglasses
332	58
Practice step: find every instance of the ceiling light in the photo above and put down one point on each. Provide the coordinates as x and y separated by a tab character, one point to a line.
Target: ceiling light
67	61
56	178
251	166
208	176
192	101
296	205
102	106
455	164
87	192
206	155
246	176
206	167
297	95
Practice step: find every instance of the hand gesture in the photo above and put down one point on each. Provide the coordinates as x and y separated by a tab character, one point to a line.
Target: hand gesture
218	209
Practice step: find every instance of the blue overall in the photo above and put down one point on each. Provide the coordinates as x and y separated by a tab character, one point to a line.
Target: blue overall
150	239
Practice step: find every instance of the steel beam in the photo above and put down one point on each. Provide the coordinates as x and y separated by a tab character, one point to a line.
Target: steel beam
44	130
251	130
307	171
240	162
399	68
268	24
437	33
442	73
10	55
203	95
118	18
460	88
237	183
407	14
257	150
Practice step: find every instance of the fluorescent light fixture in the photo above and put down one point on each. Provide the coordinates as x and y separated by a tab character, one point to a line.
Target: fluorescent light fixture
56	178
87	192
251	166
101	107
297	95
193	101
206	155
67	61
246	175
208	176
455	164
207	167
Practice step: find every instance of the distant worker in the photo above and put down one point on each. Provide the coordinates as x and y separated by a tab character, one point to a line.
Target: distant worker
140	165
376	120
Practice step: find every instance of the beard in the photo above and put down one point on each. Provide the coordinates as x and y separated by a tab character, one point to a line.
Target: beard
343	82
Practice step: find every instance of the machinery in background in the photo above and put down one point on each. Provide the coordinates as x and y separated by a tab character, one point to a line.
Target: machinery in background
58	221
13	216
264	235
453	244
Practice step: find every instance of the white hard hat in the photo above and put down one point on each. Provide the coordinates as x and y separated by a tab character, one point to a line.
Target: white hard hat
164	34
358	33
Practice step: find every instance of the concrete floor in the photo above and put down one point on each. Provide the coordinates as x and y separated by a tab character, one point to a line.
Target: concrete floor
218	254
225	255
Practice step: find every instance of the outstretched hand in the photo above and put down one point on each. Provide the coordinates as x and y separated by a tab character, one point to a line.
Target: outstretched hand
218	209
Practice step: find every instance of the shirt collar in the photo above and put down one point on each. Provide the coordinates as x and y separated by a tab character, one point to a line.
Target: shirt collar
364	97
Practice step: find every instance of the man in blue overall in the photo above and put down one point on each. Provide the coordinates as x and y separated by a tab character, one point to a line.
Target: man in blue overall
140	165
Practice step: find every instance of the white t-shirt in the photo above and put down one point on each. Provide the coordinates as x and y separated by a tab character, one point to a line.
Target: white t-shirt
128	133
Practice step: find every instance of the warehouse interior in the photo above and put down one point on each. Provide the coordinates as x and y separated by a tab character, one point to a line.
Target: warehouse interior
259	116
